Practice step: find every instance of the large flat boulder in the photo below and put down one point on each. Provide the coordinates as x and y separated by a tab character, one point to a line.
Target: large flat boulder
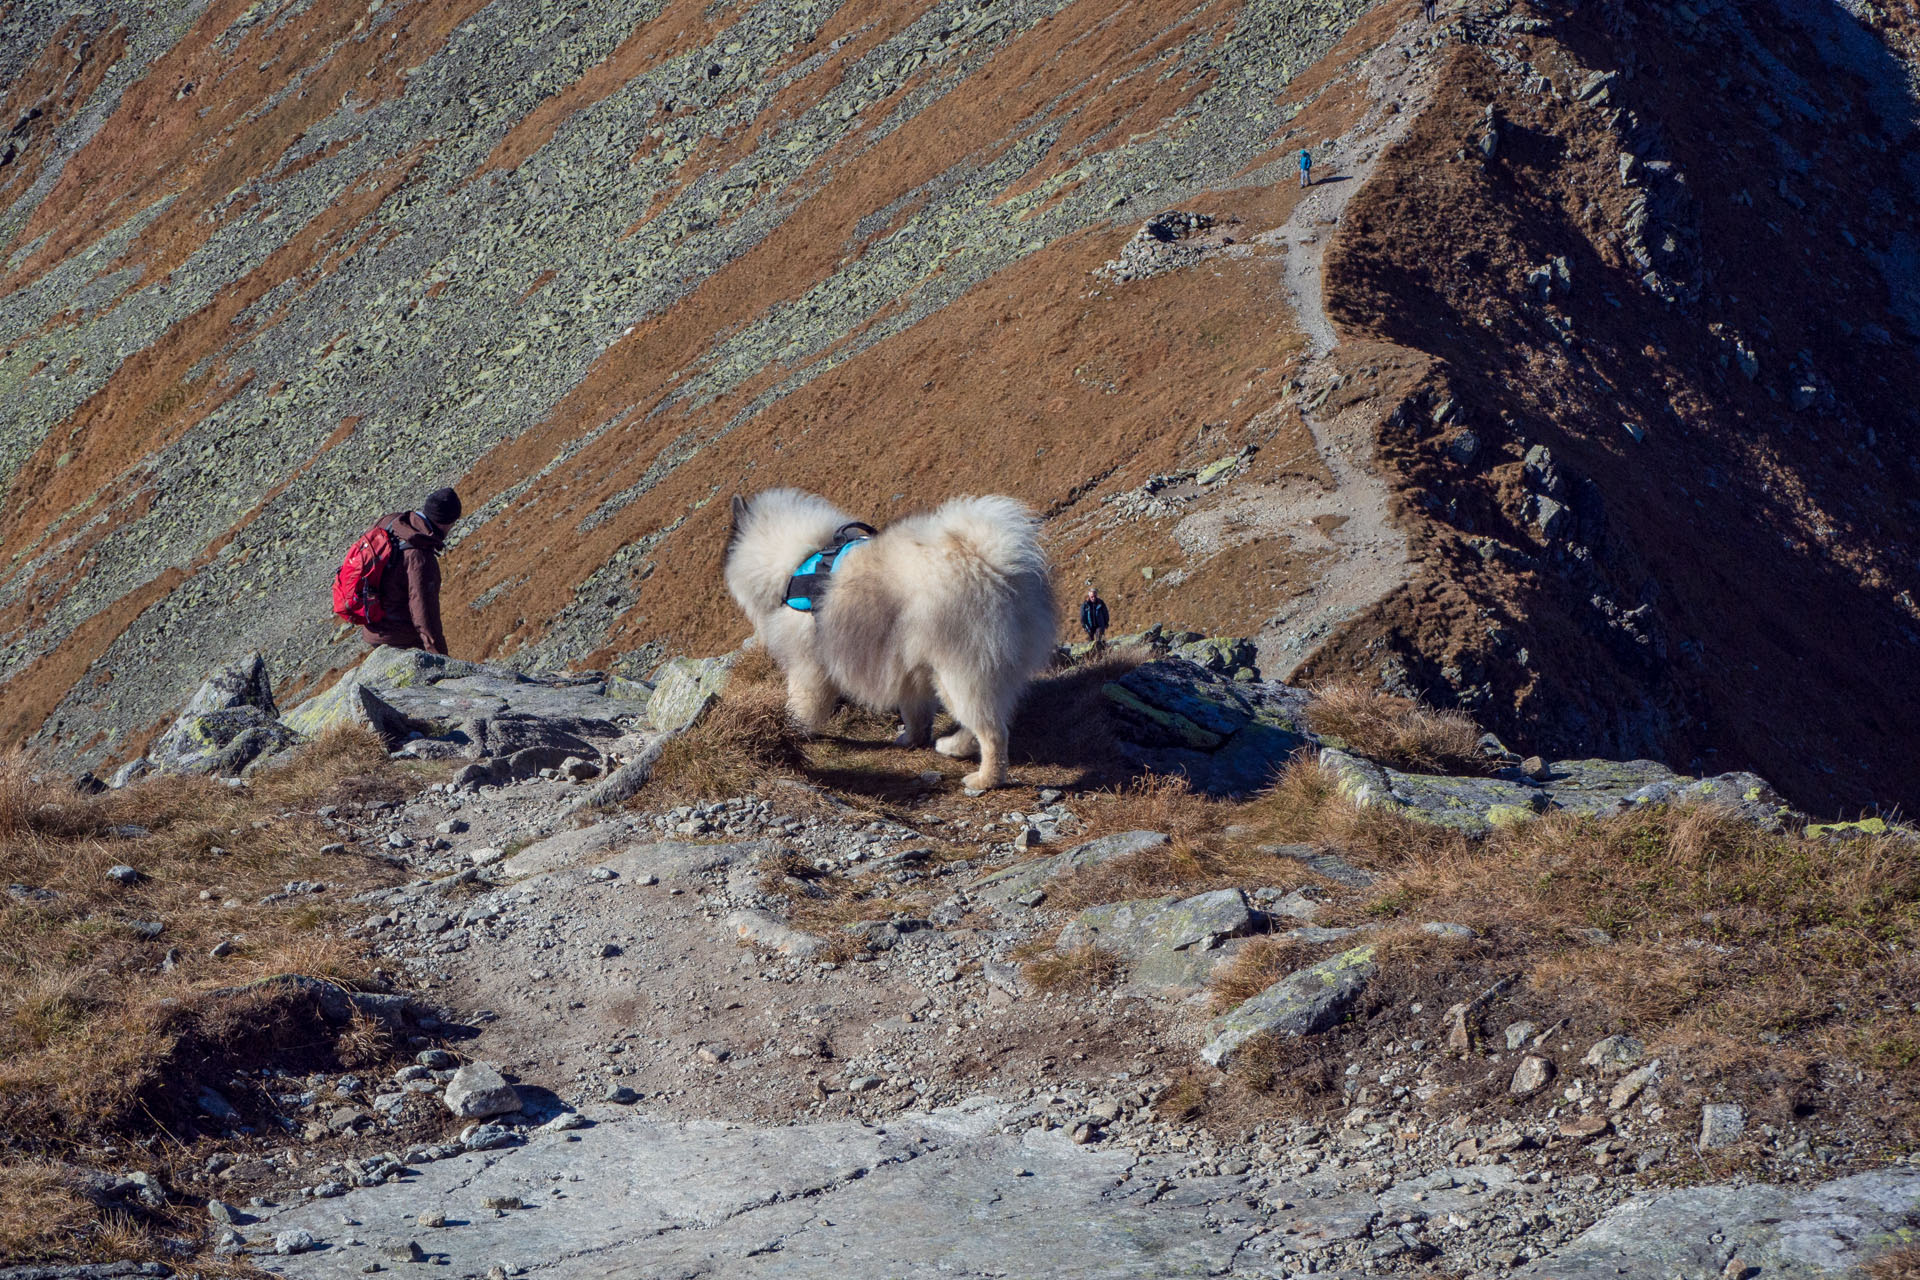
1476	805
1170	944
1824	1231
484	711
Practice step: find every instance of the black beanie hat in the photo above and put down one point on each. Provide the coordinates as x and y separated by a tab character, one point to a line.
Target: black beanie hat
442	507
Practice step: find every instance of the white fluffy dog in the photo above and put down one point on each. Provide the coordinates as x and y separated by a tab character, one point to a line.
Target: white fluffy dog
956	604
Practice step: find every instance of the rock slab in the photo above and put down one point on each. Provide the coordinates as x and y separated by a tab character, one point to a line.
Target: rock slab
1305	1001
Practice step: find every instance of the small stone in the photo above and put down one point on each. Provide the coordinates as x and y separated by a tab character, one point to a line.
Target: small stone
451	827
295	1241
487	1137
1032	899
485	856
864	1084
1444	929
1518	1033
1049	795
648	879
1721	1124
1084	1133
222	948
222	1212
333	850
1614	1054
1531	1076
610	950
1536	768
603	874
477	1091
398	841
432	1218
566	1121
1585	1126
1027	839
122	874
619	1093
403	1250
436	1059
502	1202
1630	1085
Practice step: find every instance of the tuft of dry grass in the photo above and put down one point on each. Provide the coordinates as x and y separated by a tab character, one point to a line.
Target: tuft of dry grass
1259	964
1902	1262
1399	731
107	1032
746	738
1083	968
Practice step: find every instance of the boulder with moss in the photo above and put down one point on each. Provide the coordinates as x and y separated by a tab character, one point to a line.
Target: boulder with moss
228	726
1228	736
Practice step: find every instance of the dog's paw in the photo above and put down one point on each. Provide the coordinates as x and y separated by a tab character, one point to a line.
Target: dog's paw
981	780
958	745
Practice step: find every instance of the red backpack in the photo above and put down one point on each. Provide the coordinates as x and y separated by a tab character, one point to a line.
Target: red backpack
356	588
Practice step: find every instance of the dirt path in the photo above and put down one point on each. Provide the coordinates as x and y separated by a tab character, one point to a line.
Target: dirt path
1365	556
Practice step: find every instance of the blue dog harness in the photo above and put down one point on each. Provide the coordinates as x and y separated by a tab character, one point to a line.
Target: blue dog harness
807	588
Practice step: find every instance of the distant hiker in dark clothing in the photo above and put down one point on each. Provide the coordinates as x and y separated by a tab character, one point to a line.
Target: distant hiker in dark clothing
1306	167
1093	618
1429	7
409	592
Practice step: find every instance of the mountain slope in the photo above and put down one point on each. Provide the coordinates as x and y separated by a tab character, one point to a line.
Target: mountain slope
276	268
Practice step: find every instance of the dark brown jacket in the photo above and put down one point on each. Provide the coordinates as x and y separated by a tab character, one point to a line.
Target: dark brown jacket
410	588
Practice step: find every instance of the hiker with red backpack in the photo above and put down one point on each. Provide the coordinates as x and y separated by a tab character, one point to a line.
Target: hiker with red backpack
389	583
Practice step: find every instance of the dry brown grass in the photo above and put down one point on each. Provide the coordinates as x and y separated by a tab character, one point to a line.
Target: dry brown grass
746	739
1902	1262
1728	948
1398	731
100	1042
1260	964
1076	969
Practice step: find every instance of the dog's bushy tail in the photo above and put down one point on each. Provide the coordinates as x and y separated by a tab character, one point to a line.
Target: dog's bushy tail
999	530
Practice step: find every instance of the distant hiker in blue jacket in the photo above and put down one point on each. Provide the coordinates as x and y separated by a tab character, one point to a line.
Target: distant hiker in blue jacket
1093	619
1306	167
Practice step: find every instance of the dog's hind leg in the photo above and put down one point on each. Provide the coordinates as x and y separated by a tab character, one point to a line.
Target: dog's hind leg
916	712
983	720
810	696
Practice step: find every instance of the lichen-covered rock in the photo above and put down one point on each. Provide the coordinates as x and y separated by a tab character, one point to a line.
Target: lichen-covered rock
1305	1001
1229	737
228	725
1168	943
1476	805
1226	655
684	688
350	702
1023	878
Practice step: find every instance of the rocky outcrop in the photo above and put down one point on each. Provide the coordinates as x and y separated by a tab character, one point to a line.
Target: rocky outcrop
229	725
